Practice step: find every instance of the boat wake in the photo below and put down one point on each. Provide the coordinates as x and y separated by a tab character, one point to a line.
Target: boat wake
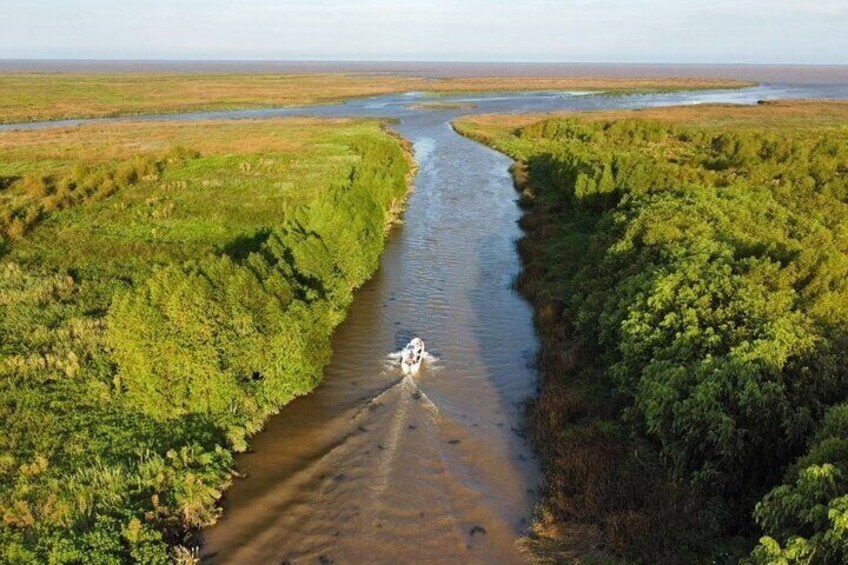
405	384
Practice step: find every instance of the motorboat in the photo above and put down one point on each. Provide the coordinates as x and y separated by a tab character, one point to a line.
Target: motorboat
411	356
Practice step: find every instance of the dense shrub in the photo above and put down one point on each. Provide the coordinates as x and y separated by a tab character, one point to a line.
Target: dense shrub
708	268
136	359
235	339
806	518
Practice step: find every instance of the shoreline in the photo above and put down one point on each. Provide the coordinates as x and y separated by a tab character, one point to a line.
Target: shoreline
48	97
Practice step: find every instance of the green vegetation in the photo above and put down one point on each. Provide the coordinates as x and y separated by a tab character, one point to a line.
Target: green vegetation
50	96
163	289
690	278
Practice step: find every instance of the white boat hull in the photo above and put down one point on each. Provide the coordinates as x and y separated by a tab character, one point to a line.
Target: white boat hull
412	356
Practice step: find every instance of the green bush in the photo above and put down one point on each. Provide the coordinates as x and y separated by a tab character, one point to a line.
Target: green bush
140	350
710	269
806	518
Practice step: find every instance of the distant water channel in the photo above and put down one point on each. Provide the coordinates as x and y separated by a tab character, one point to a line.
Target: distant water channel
374	468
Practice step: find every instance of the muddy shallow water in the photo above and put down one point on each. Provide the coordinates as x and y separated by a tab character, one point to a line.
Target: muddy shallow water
374	467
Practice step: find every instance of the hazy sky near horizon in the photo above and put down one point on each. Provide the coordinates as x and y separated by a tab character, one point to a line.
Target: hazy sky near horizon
717	31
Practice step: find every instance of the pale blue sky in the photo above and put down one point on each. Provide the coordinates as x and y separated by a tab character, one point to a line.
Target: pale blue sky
721	31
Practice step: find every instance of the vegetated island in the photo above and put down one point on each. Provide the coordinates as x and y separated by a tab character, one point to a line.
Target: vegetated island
689	272
443	106
164	288
26	97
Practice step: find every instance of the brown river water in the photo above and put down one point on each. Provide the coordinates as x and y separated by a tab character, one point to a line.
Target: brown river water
374	467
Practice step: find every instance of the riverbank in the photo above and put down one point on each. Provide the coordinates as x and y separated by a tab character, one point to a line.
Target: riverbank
664	256
165	288
26	97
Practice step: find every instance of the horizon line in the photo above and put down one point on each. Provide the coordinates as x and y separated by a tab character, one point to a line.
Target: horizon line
415	61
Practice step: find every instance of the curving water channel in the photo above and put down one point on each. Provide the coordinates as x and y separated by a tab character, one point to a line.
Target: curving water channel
373	467
376	467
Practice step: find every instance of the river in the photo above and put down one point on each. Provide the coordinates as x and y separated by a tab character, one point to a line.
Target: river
373	467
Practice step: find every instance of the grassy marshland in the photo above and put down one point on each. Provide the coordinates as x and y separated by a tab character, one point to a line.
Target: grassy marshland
163	289
689	271
50	96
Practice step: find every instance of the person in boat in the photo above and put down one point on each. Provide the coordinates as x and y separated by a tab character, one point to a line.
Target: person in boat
412	355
